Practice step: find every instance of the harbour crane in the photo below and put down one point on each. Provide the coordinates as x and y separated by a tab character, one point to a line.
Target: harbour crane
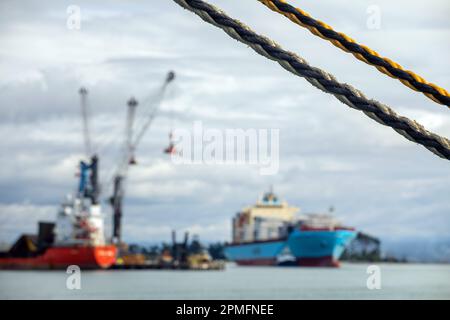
88	185
132	140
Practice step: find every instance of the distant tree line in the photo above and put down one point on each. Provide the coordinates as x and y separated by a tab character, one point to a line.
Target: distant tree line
215	250
366	248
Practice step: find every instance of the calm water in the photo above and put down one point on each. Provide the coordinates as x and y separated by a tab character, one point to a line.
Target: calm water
399	281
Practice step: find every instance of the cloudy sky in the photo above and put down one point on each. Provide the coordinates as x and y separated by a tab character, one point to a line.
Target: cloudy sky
329	154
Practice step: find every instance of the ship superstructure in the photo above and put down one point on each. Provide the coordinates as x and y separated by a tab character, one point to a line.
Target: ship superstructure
264	221
76	238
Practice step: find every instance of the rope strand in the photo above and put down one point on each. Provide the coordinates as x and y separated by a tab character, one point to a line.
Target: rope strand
322	80
361	52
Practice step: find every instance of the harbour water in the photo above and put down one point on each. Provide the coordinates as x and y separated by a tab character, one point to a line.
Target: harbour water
398	281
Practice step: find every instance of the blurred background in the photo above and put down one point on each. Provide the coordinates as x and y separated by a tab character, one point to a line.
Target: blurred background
330	155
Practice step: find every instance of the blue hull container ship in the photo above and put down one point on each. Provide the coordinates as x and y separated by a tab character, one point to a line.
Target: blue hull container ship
271	233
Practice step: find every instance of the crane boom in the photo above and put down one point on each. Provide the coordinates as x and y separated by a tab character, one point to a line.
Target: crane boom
159	97
128	157
85	117
132	104
88	185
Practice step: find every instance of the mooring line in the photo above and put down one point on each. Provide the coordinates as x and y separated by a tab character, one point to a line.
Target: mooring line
322	80
361	52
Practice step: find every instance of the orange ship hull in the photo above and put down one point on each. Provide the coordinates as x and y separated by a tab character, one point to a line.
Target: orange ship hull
89	257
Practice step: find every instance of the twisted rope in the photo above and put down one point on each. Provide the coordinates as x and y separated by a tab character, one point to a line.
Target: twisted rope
322	80
361	52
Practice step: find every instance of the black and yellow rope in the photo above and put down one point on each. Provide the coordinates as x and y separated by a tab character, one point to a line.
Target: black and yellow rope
361	52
